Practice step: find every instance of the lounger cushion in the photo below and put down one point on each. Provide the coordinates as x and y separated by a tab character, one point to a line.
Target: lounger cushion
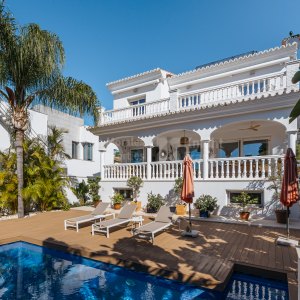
151	227
111	222
100	209
164	215
127	211
81	218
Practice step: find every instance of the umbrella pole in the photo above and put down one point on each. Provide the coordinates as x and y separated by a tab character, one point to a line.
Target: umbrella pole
190	216
288	222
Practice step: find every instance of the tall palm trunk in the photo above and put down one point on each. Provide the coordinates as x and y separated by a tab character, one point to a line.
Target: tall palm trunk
20	171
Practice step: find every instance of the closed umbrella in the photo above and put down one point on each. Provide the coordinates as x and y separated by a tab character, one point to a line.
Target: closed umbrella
289	190
187	192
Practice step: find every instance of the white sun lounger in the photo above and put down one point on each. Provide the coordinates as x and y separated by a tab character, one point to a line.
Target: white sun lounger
124	217
162	221
97	214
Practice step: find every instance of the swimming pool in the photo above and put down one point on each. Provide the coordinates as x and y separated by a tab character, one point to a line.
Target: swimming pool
31	272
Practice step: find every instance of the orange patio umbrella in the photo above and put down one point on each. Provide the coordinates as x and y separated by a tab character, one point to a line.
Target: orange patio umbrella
289	190
187	192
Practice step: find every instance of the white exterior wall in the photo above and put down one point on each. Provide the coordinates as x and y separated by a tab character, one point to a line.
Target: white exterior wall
77	132
63	121
38	123
137	88
4	138
215	189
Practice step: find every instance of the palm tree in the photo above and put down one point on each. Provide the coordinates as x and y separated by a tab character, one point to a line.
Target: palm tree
55	144
31	62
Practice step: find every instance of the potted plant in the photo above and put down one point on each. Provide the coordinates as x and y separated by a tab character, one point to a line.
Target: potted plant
243	200
280	212
94	186
135	183
154	202
180	207
117	200
206	204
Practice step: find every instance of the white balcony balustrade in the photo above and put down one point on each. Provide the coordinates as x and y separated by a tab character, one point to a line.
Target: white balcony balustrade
170	170
237	168
125	171
135	111
238	90
254	167
234	91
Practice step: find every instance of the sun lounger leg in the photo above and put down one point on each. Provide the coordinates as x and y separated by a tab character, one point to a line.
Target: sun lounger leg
152	238
76	226
107	232
65	225
93	233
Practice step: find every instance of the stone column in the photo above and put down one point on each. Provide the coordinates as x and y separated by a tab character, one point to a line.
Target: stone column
292	139
205	147
102	159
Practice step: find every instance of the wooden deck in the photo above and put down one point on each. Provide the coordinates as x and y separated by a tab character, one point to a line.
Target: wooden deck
207	260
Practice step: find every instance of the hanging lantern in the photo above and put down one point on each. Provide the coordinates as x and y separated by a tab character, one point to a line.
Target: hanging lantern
184	140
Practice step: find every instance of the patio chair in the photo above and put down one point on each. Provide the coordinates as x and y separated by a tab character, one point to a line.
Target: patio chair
97	214
124	217
162	221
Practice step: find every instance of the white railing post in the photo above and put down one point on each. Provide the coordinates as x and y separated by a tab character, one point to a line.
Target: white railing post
205	159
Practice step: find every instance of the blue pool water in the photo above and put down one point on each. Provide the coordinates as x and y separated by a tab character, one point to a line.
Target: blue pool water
32	272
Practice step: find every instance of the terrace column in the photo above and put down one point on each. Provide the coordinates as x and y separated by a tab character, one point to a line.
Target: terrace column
292	139
205	147
149	160
102	159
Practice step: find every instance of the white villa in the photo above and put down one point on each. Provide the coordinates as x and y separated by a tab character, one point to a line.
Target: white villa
232	116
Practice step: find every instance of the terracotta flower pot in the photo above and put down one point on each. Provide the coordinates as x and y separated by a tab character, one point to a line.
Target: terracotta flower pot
244	215
180	209
117	206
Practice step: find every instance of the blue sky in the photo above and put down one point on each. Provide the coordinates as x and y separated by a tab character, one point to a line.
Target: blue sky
106	40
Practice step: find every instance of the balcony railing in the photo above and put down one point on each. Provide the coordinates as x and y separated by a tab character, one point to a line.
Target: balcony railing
254	167
237	168
135	111
235	91
238	90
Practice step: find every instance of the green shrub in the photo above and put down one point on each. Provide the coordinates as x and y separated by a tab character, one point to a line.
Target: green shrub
117	198
206	203
93	187
81	192
154	202
243	200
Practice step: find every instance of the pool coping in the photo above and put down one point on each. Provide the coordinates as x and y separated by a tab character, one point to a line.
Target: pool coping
290	277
